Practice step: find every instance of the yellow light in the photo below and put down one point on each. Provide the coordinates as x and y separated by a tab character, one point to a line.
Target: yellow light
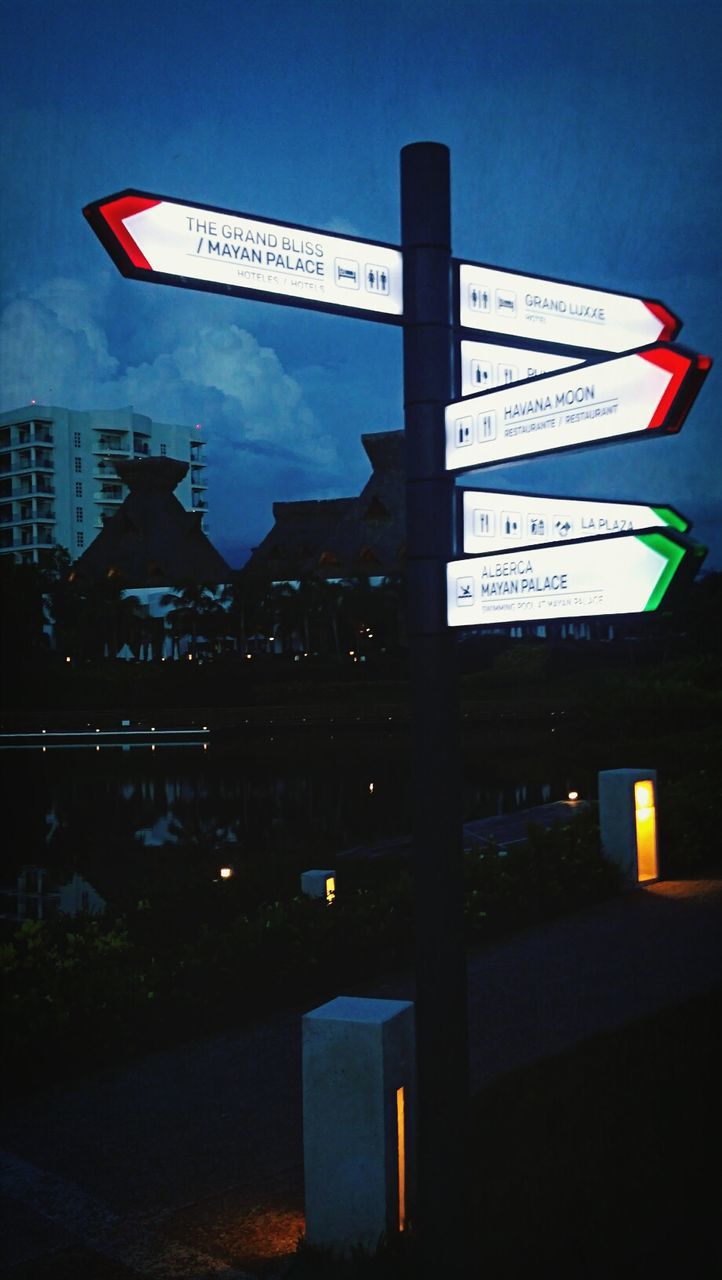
67	659
401	1153
330	888
645	815
225	873
371	788
573	795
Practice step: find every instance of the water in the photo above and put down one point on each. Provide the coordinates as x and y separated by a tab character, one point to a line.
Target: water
83	825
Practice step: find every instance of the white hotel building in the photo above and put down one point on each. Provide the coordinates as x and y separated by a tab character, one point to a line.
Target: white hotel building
58	484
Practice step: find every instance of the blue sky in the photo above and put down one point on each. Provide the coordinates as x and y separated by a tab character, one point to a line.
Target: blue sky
586	144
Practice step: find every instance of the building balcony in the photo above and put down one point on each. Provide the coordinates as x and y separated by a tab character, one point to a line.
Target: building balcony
112	444
41	488
109	495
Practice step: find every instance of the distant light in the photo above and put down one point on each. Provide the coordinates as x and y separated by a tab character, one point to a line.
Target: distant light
330	888
573	795
32	402
67	659
225	873
371	788
198	426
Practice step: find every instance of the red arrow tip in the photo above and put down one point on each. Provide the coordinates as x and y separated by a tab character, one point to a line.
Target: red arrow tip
670	324
115	214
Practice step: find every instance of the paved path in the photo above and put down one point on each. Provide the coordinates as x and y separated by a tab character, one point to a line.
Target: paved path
188	1163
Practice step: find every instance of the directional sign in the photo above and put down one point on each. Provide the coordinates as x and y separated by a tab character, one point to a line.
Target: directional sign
166	241
485	365
551	311
625	573
494	521
642	393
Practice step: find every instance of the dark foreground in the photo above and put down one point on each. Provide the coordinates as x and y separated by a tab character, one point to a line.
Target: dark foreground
596	1070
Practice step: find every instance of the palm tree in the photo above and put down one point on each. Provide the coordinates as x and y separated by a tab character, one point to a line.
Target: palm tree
193	610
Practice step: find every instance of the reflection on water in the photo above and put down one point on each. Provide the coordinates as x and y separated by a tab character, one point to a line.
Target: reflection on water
88	821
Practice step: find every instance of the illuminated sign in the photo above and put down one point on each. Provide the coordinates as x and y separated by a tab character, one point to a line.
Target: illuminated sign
647	393
545	311
166	241
628	573
494	521
485	365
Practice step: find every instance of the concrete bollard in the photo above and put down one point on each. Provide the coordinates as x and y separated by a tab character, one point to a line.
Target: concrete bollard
319	884
628	822
358	1121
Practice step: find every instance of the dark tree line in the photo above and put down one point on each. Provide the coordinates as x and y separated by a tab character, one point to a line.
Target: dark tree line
47	609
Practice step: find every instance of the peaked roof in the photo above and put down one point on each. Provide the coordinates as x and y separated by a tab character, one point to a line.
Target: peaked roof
342	537
152	541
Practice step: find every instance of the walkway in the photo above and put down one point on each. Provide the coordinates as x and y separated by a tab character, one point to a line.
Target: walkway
188	1163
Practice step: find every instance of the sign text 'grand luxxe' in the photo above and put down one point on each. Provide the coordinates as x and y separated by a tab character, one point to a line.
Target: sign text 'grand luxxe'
546	311
644	393
167	241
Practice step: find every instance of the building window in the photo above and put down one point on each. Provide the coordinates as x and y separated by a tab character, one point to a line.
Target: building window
79	539
78	515
78	488
162	451
77	439
78	464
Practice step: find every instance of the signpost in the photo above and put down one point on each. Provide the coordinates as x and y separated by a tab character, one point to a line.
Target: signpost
167	241
641	393
624	573
542	392
546	311
496	521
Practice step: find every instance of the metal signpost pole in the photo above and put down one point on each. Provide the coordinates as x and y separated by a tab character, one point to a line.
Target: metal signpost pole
441	1008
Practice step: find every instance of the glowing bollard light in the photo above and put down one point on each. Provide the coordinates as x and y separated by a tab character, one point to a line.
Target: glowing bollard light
358	1121
628	822
319	884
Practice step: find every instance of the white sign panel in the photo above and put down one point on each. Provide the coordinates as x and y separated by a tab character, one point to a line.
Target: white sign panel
494	521
239	251
626	574
522	306
622	395
486	364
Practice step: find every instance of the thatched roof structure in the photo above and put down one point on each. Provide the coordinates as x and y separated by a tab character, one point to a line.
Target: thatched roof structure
342	537
152	540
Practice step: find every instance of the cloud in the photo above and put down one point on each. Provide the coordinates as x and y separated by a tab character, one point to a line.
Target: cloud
260	432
